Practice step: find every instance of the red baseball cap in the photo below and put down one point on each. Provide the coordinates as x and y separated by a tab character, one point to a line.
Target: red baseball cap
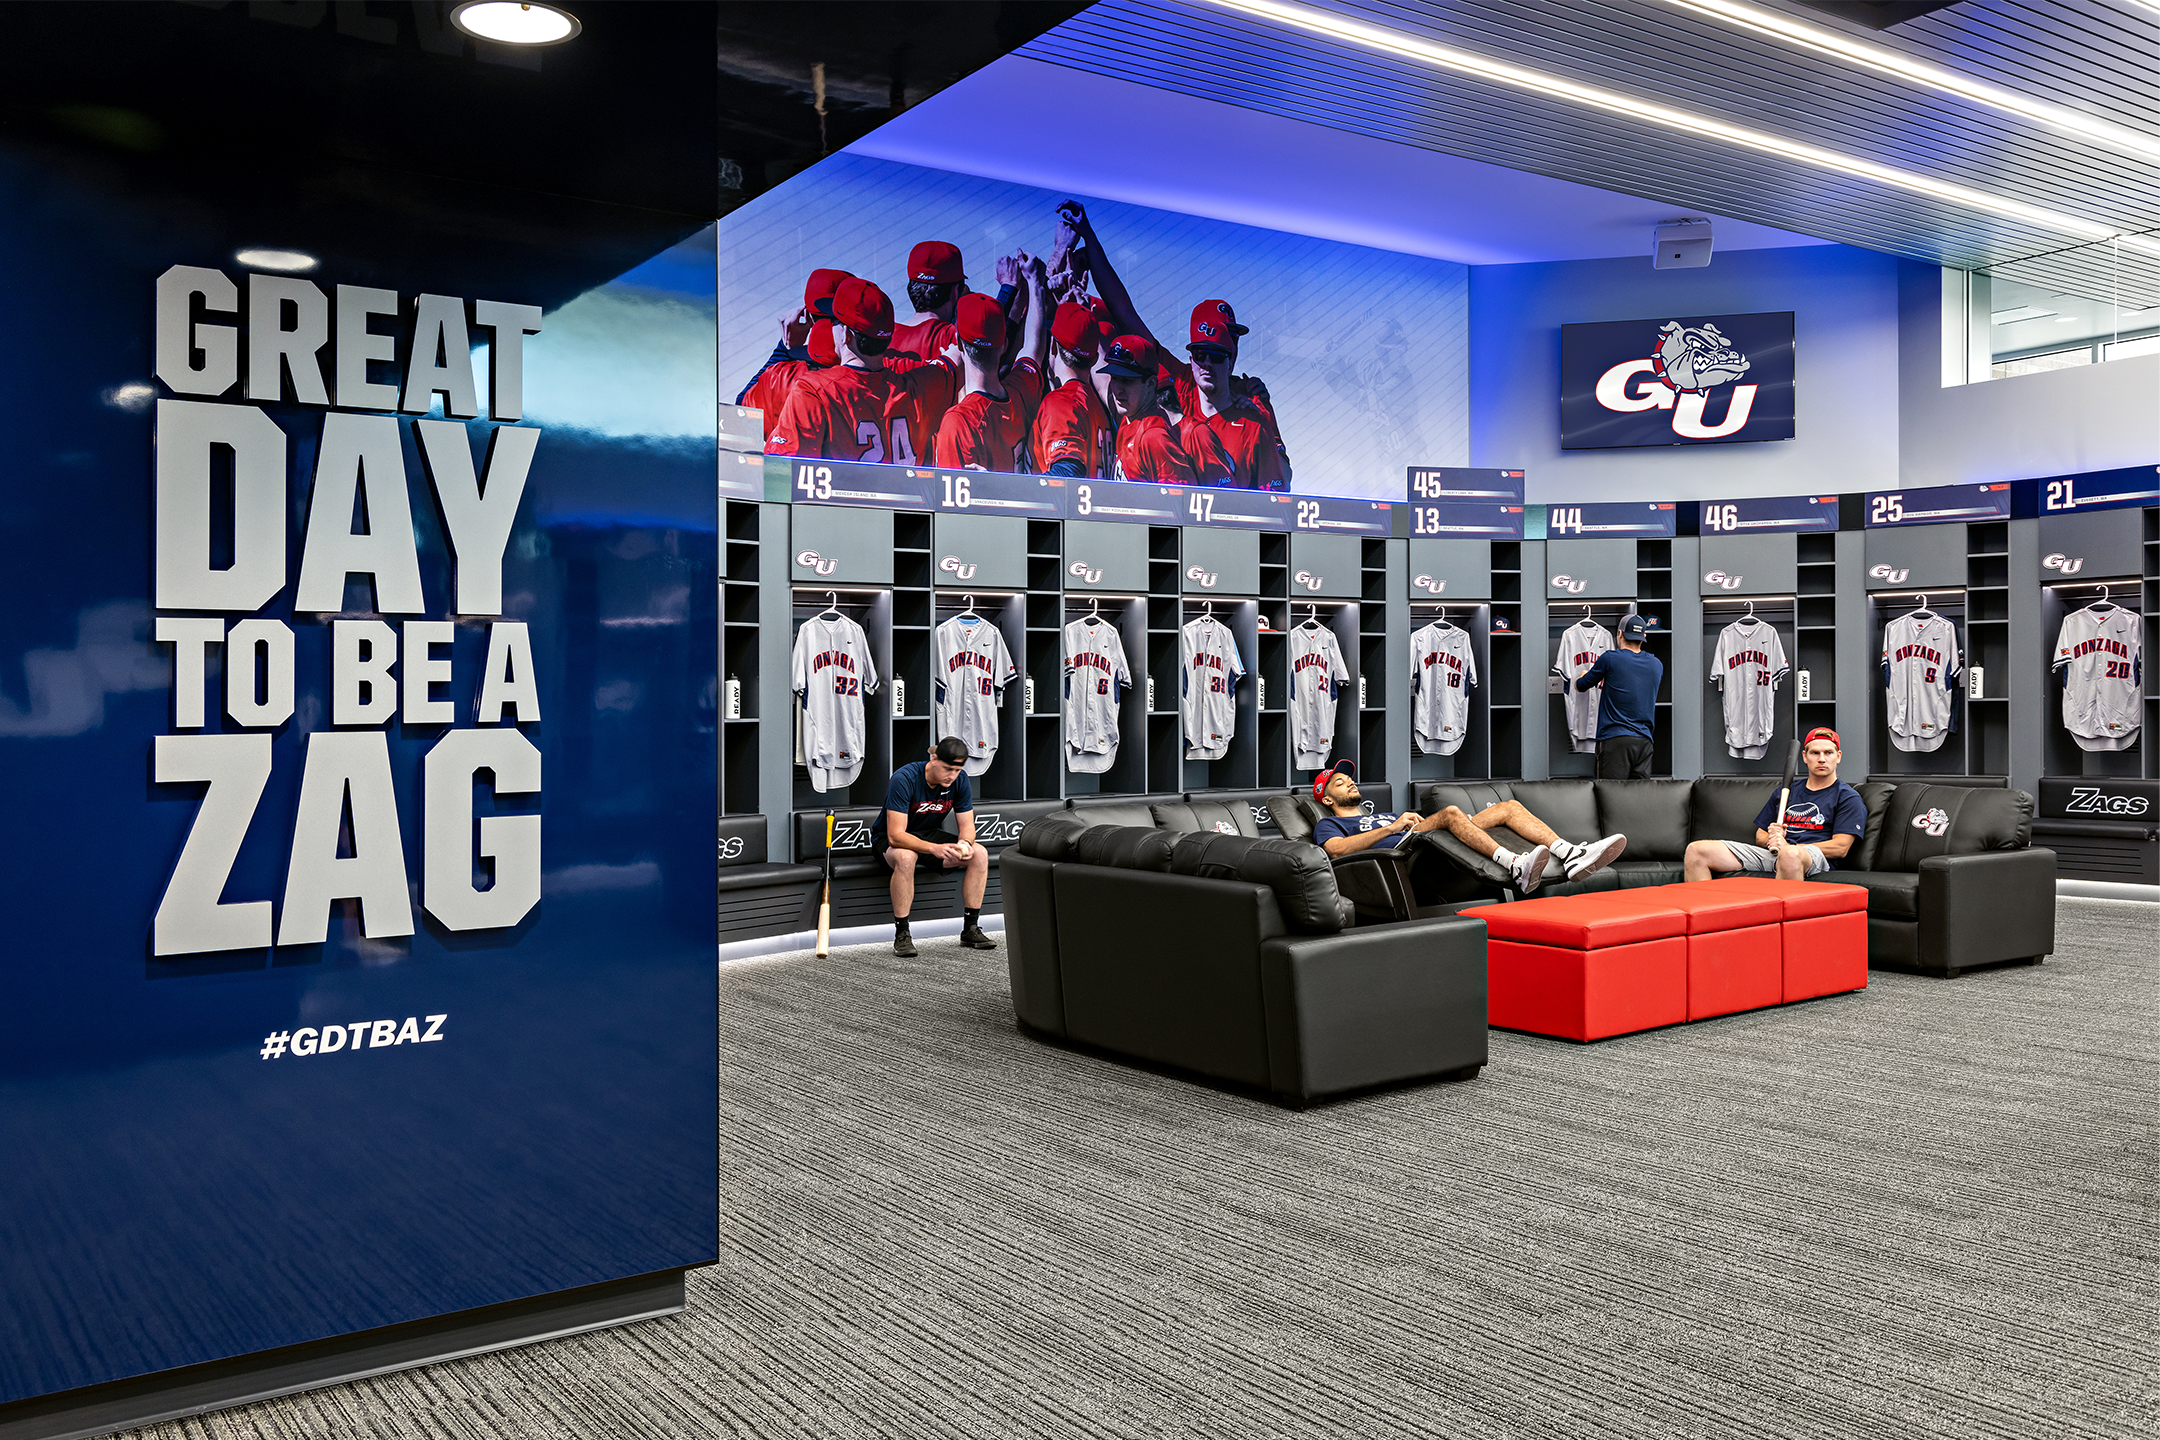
820	345
1074	329
1214	326
860	305
1821	732
935	261
817	294
980	321
1129	355
1320	781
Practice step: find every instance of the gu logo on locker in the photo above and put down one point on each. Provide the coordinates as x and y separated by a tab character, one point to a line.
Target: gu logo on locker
1081	570
953	565
1428	584
1309	580
815	563
1200	576
1691	380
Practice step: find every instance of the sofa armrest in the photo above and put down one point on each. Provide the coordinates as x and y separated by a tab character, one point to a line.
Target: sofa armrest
1376	880
1377	1004
1979	909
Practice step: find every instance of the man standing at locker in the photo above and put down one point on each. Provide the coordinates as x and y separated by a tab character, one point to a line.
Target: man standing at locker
1627	711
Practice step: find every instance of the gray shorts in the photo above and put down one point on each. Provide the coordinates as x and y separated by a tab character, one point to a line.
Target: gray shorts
1754	860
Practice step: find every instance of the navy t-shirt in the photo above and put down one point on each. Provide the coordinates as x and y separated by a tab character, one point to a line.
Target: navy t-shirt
1629	704
927	805
1337	826
1813	816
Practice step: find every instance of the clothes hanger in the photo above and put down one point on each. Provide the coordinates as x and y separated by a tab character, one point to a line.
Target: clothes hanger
967	611
832	607
1923	612
1750	610
1312	617
2103	604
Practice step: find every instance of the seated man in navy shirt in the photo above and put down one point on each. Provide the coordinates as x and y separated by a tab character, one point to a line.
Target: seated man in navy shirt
1349	830
1823	820
917	801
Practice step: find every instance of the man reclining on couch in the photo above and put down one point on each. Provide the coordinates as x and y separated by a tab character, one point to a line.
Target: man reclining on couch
1348	830
1823	820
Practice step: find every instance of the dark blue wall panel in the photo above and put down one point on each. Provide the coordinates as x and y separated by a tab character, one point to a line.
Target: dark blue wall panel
169	1195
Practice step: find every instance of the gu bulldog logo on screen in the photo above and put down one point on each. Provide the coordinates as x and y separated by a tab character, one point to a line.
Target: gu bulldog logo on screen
1676	380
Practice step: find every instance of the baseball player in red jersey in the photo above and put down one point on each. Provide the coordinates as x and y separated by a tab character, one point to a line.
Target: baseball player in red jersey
1234	407
1210	462
935	282
1070	422
1147	447
861	409
802	349
987	427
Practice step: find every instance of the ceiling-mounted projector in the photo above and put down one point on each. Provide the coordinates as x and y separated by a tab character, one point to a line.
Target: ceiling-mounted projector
1681	245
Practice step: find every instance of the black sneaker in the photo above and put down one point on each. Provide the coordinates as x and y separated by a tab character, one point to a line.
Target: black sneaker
903	945
973	938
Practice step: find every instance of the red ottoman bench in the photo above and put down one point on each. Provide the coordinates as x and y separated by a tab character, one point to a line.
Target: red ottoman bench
1825	934
1735	947
1583	967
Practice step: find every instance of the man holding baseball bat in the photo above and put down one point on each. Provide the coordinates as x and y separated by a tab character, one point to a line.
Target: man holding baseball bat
1803	830
917	801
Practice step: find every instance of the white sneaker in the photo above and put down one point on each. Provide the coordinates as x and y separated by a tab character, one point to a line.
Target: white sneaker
1591	858
1530	869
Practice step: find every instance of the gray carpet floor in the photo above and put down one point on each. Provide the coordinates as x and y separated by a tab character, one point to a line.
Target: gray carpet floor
1923	1210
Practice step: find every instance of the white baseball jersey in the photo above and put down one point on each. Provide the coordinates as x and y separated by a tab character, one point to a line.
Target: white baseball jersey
1442	673
2102	659
1919	656
1316	675
972	668
1747	666
1580	645
832	672
1211	669
1096	680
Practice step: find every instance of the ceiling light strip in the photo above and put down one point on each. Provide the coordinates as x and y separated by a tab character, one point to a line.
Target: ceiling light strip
1485	68
1890	62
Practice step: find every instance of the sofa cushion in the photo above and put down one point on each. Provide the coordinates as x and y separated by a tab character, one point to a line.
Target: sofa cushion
1585	922
1653	814
1125	847
1928	820
1874	794
1300	875
1891	894
1724	807
1052	836
1207	815
1296	815
1260	804
1569	806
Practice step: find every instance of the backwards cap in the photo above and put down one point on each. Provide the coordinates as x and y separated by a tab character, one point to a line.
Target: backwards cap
935	261
979	320
1821	732
860	305
818	292
1074	330
952	750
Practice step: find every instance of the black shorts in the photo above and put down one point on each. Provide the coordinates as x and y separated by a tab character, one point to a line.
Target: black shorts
1624	757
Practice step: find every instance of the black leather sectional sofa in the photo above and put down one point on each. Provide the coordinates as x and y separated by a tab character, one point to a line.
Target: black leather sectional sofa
1176	934
1953	879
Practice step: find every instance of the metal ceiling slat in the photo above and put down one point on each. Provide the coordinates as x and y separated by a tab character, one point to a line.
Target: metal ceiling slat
1559	115
1302	76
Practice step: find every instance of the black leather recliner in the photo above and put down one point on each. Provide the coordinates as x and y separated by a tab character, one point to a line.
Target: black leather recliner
1952	878
1231	956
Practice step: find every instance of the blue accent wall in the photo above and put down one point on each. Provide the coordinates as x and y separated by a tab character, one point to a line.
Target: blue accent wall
169	1194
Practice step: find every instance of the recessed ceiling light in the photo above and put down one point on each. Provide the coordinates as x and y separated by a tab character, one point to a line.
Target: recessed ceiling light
276	259
1891	62
2066	320
1395	42
2023	312
507	23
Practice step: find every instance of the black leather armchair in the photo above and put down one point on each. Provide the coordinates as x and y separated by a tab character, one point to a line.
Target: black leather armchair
1378	883
1229	956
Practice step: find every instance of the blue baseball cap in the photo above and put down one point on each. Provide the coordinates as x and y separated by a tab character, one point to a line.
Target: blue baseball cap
1635	627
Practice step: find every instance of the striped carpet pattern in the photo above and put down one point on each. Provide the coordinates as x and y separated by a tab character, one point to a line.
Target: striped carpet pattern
1923	1210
